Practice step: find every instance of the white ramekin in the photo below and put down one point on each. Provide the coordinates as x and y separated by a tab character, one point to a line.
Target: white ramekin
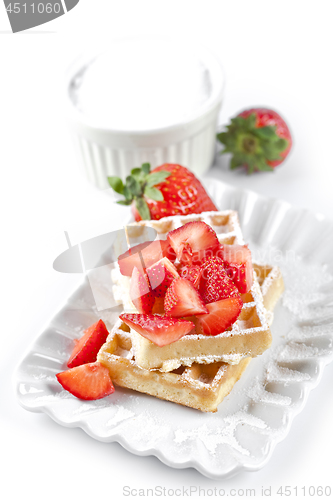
105	152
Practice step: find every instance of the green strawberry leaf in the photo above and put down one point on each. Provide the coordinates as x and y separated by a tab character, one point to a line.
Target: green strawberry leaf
117	184
136	172
157	177
268	132
127	193
145	168
250	167
238	122
154	193
138	184
234	163
264	167
142	208
281	144
270	152
124	202
250	121
239	160
133	185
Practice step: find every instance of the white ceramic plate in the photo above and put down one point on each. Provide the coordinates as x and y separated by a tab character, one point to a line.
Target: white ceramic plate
258	412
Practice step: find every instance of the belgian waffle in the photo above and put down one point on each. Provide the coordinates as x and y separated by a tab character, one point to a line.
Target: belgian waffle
249	336
200	386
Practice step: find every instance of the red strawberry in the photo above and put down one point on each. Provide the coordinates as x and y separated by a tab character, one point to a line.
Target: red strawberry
144	255
192	274
258	138
214	283
89	381
87	347
192	240
158	306
238	265
160	276
162	330
140	292
222	314
237	273
182	299
169	189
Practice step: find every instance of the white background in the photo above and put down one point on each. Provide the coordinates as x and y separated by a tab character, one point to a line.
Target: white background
277	54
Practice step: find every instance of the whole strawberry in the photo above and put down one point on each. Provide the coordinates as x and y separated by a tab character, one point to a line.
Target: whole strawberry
167	190
258	138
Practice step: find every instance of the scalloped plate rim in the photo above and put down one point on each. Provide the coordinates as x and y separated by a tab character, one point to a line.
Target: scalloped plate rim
308	386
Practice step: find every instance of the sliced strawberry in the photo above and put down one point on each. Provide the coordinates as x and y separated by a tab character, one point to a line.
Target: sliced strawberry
141	293
214	283
198	258
237	273
182	299
89	381
144	255
192	274
222	314
87	347
190	240
158	306
160	275
238	264
162	330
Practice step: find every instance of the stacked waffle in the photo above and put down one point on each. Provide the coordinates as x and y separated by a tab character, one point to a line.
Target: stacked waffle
199	369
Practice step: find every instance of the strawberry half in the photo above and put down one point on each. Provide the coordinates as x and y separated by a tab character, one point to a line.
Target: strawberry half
221	315
161	274
191	240
238	265
192	274
161	330
140	292
144	255
87	347
183	299
215	283
89	381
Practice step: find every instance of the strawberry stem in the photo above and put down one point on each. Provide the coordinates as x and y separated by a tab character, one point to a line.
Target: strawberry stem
140	184
249	144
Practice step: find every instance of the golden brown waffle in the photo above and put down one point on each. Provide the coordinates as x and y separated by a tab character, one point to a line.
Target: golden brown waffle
249	336
271	284
200	386
225	224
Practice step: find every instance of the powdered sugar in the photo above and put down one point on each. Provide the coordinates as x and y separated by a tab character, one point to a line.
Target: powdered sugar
258	411
276	373
258	394
222	435
121	415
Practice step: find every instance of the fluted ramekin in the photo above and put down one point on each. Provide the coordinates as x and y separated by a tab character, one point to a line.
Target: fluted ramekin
105	152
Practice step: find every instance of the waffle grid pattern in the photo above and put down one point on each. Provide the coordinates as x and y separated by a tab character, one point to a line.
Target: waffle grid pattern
199	386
